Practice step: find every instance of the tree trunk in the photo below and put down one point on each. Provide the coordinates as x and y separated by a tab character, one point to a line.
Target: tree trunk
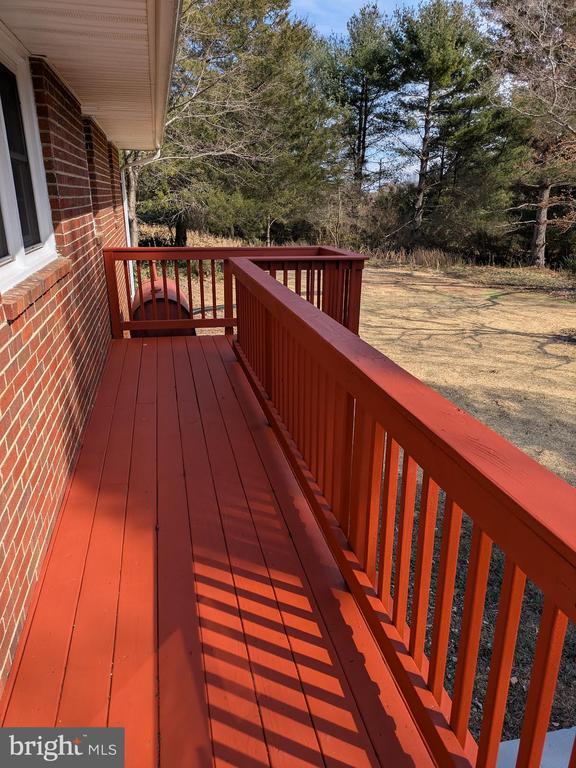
269	223
180	233
538	247
424	160
360	159
131	181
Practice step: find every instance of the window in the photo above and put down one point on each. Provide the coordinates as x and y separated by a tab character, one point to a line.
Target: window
26	236
18	157
3	244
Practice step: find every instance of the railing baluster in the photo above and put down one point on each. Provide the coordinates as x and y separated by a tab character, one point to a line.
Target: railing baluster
298	279
280	368
423	569
165	303
476	583
389	496
451	527
292	386
307	442
345	417
201	282
339	292
284	371
153	279
358	482
214	300
321	429
228	295
300	397
140	289
329	441
403	555
312	284
128	292
261	329
507	623
280	355
314	420
365	486
177	285
553	624
189	287
272	391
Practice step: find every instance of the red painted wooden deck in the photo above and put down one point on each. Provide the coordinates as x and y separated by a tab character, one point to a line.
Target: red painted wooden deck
188	594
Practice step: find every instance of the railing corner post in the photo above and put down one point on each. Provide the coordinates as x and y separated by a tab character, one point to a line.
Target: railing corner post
112	289
228	296
354	296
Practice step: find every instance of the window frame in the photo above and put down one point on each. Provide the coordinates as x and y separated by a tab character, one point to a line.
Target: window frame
21	262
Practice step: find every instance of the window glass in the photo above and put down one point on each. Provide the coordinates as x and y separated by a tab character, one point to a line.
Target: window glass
19	157
3	243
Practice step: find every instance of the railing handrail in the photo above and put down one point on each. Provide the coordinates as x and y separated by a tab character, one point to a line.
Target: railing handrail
254	253
333	279
493	475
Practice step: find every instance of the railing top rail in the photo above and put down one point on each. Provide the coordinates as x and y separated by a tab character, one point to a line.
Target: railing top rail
278	253
483	472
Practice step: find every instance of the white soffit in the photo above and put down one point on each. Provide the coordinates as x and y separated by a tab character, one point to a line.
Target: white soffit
116	57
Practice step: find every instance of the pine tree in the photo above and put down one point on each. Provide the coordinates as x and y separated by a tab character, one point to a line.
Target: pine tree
439	52
247	127
535	42
357	72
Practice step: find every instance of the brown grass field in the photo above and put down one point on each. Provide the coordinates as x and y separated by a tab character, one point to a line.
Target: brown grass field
505	353
500	344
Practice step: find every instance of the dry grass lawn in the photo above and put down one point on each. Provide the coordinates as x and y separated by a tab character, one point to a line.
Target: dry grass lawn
505	354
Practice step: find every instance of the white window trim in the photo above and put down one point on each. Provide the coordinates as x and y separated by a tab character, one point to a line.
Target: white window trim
24	262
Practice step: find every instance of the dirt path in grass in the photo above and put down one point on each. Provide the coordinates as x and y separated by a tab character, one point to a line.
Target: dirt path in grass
506	355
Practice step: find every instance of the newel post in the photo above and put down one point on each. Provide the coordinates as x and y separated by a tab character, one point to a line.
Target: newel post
228	296
328	289
112	289
354	296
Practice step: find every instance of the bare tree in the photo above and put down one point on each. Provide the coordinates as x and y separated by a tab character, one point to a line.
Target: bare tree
224	88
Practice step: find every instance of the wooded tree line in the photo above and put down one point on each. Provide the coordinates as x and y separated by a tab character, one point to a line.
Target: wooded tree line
449	125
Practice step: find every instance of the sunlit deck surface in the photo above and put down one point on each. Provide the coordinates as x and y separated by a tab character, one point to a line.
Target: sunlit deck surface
188	594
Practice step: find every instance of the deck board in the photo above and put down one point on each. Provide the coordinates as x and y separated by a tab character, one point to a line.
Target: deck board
134	689
281	701
182	685
188	594
232	703
339	729
90	655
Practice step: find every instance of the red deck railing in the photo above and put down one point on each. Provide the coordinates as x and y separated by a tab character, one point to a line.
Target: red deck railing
399	479
385	462
198	283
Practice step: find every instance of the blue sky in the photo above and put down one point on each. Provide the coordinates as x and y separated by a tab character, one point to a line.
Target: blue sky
331	15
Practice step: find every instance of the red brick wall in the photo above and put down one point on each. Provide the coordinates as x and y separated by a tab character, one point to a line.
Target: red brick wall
103	162
54	335
114	163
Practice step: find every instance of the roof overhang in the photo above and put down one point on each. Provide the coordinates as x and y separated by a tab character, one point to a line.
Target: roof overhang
116	56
